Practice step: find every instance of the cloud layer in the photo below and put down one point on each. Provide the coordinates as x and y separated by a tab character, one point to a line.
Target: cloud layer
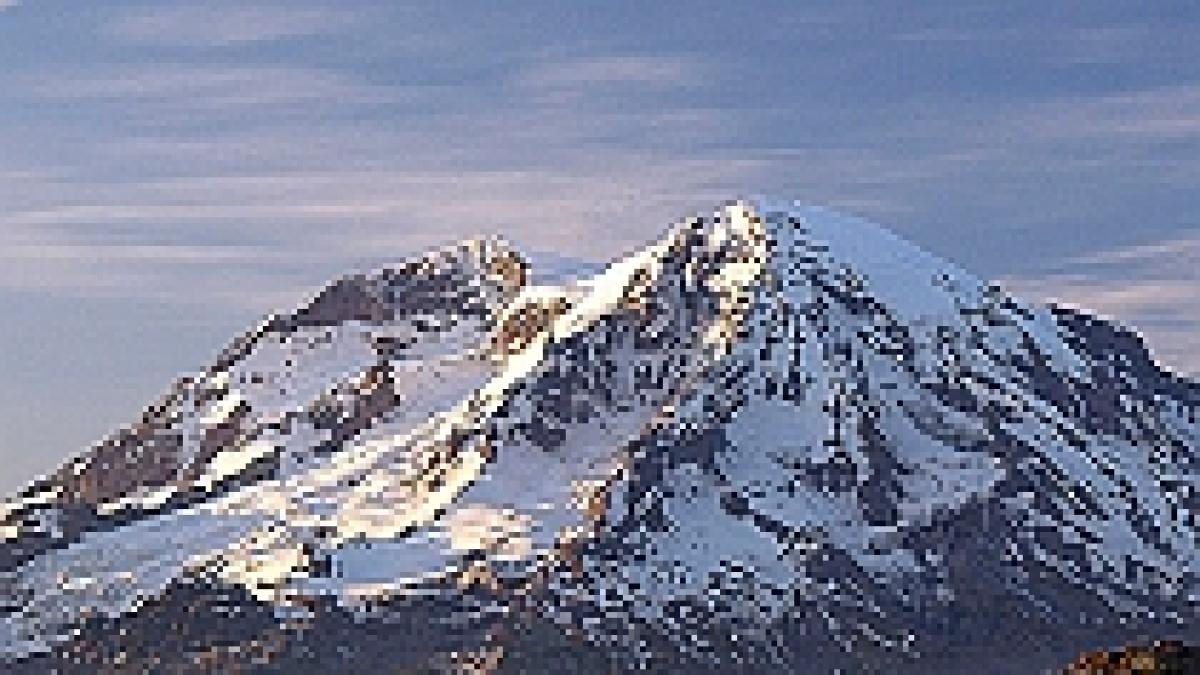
223	26
1150	287
228	157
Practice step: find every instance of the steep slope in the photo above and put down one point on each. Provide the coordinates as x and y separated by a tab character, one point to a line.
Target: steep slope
775	437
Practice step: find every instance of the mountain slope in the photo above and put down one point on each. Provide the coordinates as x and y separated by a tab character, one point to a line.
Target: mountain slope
775	437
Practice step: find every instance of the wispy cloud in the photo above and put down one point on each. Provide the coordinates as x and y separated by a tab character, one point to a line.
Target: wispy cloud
5	4
1151	114
1119	298
208	87
622	69
221	26
1050	43
1153	287
1161	254
58	263
1104	44
202	238
957	35
556	206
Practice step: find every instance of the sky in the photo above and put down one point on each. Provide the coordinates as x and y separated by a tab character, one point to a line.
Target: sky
172	171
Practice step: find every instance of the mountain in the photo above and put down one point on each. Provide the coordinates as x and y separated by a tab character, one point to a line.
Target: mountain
775	439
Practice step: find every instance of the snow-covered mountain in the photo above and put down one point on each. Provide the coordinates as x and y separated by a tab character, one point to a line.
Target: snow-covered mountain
775	438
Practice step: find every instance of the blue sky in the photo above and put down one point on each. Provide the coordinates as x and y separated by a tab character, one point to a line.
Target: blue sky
171	171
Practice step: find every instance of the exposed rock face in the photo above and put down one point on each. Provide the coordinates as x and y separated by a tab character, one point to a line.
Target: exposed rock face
776	438
1160	658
